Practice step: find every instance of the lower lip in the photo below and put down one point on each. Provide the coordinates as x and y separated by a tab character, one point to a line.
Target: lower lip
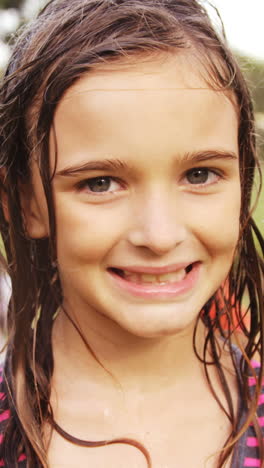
159	291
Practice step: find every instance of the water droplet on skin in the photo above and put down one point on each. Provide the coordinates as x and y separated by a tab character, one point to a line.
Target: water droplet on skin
106	412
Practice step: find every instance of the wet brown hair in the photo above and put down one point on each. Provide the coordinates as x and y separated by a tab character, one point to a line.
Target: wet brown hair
66	41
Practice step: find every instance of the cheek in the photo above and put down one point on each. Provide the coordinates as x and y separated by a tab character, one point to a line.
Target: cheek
86	235
217	225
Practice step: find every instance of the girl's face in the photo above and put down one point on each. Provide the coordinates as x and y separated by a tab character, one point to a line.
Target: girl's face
147	195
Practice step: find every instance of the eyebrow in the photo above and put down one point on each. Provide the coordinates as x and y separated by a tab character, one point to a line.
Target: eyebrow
208	155
97	165
119	165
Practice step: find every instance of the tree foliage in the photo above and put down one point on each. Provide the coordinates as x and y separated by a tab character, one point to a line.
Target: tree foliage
11	3
254	71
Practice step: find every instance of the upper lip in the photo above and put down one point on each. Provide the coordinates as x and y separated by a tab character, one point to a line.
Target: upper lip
154	270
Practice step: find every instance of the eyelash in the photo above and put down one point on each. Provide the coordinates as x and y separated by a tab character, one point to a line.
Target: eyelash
200	186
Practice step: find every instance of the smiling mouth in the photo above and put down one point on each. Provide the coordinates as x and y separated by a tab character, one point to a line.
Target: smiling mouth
145	278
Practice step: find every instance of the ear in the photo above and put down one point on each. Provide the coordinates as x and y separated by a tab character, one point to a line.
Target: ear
35	211
33	204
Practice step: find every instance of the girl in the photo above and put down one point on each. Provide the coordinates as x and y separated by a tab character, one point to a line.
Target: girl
127	164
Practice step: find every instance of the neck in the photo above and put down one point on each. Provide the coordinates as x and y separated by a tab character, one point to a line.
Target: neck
110	355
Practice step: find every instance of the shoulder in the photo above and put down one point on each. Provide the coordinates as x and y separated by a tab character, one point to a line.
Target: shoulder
5	415
247	453
252	385
4	407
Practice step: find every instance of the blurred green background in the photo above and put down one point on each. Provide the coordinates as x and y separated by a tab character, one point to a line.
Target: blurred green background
253	69
254	72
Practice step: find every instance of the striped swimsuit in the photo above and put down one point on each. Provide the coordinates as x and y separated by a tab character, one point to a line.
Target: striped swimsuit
246	450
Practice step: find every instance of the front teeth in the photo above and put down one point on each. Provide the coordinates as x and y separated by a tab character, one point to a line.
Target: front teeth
158	279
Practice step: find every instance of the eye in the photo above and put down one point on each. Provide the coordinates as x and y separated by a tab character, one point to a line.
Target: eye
100	184
201	176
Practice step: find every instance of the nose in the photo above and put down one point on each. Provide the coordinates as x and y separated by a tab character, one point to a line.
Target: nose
158	224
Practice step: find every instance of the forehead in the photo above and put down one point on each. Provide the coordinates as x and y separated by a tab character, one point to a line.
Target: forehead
181	69
118	106
178	70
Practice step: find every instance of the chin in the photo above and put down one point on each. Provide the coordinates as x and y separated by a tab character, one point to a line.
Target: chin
158	326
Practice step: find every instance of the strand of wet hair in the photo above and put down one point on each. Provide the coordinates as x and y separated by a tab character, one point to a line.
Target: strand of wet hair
102	443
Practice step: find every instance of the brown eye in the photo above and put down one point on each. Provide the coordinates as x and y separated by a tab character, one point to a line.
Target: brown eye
198	176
